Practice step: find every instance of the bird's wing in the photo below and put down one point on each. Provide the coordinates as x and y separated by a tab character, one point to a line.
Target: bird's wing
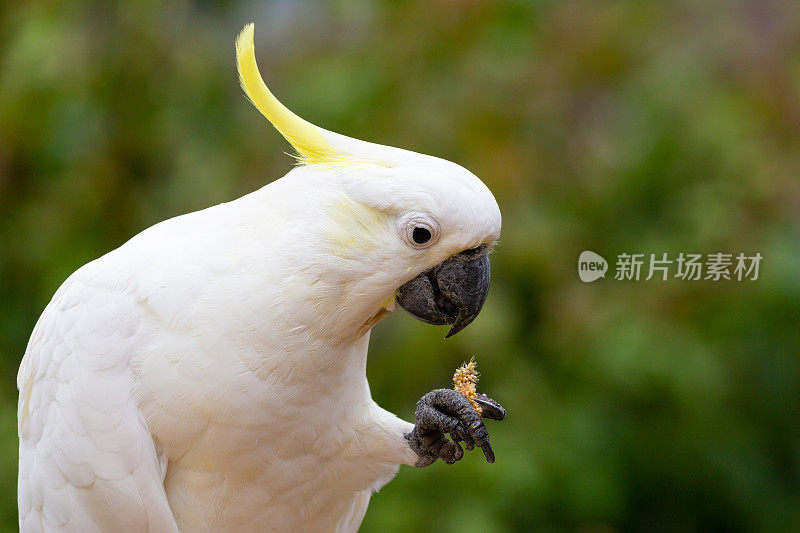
87	461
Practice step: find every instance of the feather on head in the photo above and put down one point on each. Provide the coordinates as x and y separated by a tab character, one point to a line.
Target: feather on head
309	140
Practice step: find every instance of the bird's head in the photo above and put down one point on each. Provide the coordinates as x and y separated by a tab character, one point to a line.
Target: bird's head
397	226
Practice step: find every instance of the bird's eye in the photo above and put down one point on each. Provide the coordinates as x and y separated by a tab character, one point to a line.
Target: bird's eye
421	235
418	230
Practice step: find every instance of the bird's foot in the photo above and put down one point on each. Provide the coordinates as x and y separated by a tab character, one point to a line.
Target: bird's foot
442	412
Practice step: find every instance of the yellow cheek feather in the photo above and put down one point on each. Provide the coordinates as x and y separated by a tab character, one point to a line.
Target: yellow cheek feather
354	228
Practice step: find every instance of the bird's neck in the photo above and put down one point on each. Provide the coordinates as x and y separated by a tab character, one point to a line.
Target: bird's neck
331	280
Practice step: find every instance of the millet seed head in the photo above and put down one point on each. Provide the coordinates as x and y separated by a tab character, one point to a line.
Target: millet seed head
465	380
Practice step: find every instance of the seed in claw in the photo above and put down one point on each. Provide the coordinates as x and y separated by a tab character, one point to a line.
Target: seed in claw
465	380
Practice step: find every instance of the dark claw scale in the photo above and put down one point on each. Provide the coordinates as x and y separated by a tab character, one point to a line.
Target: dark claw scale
444	411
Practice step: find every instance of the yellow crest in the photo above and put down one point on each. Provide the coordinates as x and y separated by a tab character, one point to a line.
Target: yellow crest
306	138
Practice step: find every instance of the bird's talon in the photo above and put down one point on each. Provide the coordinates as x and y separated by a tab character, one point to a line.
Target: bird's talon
446	412
490	408
488	452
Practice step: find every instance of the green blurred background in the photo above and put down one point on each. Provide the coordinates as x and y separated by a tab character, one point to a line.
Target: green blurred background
627	126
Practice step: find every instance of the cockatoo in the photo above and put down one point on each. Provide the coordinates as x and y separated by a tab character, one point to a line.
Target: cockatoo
209	374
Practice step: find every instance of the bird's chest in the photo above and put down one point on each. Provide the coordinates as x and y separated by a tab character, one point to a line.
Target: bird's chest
258	438
291	462
287	480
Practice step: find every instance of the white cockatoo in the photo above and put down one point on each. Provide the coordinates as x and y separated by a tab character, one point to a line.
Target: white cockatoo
209	374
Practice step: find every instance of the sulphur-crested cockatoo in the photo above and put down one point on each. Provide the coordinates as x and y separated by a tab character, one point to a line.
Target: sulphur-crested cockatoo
209	374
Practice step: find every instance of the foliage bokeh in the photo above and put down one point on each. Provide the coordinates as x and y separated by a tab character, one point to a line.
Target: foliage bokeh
638	127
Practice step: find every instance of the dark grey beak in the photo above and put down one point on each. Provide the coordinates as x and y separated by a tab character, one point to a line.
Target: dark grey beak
452	292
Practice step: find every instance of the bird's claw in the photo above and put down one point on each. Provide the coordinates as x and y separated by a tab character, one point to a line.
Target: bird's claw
444	412
490	408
